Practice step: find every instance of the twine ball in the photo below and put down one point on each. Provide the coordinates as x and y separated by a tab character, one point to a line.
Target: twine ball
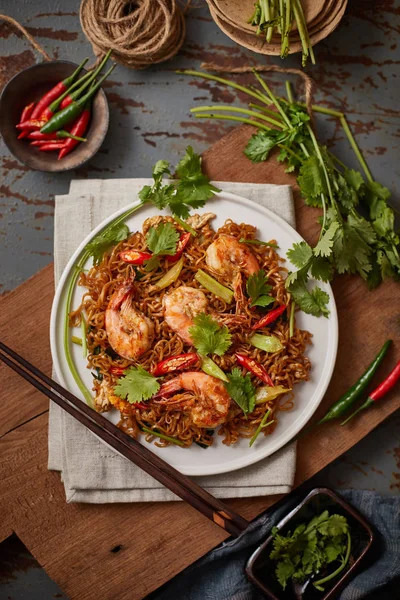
139	32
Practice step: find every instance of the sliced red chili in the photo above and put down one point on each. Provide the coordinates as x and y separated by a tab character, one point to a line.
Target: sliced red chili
118	370
134	257
181	245
175	363
254	367
270	317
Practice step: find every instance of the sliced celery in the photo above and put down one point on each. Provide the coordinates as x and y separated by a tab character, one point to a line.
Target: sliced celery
213	286
267	393
170	276
268	343
211	368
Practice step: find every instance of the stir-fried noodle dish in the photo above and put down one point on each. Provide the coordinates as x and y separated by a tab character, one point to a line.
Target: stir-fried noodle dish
191	333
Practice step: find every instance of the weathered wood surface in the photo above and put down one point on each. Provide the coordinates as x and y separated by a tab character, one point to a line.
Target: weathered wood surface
109	551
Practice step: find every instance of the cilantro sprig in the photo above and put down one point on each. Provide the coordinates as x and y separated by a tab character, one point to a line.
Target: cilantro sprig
311	547
241	390
208	336
136	385
105	240
189	190
162	241
348	242
258	289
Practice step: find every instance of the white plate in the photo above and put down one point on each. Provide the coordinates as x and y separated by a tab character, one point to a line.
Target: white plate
322	353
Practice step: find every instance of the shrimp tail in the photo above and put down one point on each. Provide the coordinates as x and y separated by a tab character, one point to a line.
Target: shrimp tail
168	388
123	293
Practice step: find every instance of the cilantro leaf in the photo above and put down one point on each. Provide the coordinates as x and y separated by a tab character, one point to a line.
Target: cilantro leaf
241	390
300	254
104	240
351	252
136	385
163	239
313	302
311	181
353	178
321	269
190	190
310	548
260	144
209	337
160	168
257	289
325	244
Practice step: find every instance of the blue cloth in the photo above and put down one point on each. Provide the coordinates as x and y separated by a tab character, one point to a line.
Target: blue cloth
220	575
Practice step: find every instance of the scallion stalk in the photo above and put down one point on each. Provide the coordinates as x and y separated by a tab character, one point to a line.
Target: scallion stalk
263	424
162	436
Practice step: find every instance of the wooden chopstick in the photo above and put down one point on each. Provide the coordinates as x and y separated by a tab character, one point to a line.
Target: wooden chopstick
130	448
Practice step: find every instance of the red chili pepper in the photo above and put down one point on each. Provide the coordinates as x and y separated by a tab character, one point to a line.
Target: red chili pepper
31	125
134	257
378	392
25	116
175	363
181	245
78	128
270	317
118	370
254	367
43	142
56	91
37	135
50	145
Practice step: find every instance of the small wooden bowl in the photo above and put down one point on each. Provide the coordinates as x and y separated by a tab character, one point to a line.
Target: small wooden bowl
29	86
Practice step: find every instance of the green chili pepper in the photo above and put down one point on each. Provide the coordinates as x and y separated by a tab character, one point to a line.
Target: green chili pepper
71	112
357	390
75	90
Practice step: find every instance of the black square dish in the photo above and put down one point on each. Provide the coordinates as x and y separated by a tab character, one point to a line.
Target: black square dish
260	569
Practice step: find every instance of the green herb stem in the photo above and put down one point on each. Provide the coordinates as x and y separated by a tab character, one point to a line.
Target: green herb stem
232	118
245	111
185	226
84	333
355	147
265	110
263	424
318	584
228	82
273	98
291	319
162	436
289	92
76	340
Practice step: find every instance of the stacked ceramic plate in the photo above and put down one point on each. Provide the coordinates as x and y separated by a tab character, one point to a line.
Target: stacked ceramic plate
231	16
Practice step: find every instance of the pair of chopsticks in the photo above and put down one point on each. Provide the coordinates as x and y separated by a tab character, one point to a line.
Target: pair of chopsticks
179	484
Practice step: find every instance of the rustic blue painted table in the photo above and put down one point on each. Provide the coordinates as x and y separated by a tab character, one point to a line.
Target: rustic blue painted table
357	72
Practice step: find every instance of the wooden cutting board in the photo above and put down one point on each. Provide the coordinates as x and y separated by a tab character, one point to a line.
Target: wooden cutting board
126	551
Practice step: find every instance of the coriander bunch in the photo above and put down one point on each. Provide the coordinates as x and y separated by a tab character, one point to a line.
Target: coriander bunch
357	233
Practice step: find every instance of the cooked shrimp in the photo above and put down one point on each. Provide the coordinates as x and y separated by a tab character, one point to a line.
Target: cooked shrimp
228	257
130	333
205	397
181	305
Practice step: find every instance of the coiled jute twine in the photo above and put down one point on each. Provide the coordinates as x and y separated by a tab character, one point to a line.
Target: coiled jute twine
139	32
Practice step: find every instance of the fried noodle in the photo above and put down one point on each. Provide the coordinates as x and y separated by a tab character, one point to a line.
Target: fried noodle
286	367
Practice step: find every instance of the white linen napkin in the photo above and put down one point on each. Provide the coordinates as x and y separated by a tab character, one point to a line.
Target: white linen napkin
91	471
